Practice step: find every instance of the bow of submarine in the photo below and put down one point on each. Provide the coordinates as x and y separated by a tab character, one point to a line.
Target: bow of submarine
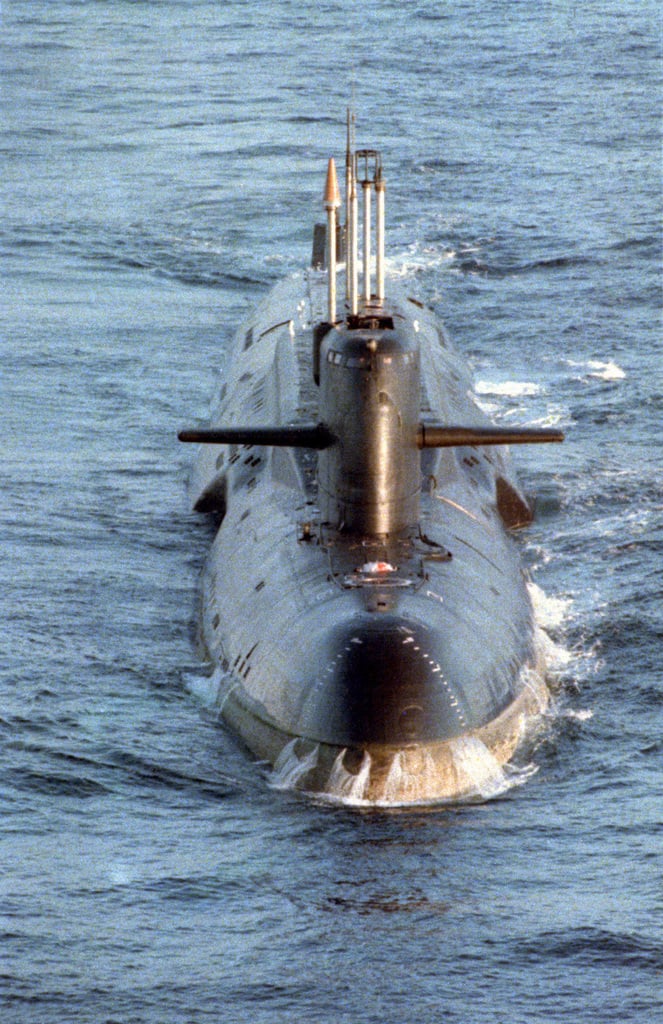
380	681
382	706
417	674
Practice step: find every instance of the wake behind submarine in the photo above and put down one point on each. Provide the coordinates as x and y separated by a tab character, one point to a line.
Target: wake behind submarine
363	603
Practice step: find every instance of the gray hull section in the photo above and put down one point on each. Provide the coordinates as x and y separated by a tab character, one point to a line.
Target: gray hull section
359	650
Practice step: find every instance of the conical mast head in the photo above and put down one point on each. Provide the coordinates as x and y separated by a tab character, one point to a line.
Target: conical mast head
332	194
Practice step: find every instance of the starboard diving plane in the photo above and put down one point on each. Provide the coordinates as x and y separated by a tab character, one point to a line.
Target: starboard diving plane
363	603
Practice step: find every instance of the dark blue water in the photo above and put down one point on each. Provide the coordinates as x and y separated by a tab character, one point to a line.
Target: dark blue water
162	164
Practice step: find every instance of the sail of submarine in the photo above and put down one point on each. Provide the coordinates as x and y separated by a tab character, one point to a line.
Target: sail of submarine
363	601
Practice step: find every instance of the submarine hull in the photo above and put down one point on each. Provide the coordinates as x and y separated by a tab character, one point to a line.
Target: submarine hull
392	668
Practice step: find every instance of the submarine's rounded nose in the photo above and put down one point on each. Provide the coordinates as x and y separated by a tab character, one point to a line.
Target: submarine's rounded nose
379	681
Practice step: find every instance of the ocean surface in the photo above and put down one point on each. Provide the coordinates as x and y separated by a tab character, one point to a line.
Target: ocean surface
162	165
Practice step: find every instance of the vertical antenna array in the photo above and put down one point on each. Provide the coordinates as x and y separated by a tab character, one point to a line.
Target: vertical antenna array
364	167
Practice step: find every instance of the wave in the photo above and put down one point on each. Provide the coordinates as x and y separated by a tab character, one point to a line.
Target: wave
593	947
186	258
89	775
54	784
151	773
496	270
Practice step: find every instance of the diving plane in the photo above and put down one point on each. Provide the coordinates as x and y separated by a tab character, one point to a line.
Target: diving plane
363	602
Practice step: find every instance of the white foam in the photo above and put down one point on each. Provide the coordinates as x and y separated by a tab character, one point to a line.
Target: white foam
534	682
343	785
606	371
289	768
414	260
406	782
553	417
557	657
578	715
599	369
550	612
508	388
490	408
413	777
484	775
204	688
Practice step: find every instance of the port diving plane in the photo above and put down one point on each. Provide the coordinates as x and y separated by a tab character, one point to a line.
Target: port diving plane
363	602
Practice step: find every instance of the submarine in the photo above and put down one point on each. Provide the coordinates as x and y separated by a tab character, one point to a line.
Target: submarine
363	603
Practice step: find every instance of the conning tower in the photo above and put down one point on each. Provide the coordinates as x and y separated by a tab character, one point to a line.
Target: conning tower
369	481
368	373
366	363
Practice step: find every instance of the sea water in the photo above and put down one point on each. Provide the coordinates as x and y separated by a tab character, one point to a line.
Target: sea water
162	165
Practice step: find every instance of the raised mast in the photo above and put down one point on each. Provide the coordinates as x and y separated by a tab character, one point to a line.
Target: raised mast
365	168
351	254
332	202
366	196
349	175
379	235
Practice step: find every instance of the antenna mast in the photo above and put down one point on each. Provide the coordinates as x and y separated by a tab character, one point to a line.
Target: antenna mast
379	234
351	255
332	202
372	180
